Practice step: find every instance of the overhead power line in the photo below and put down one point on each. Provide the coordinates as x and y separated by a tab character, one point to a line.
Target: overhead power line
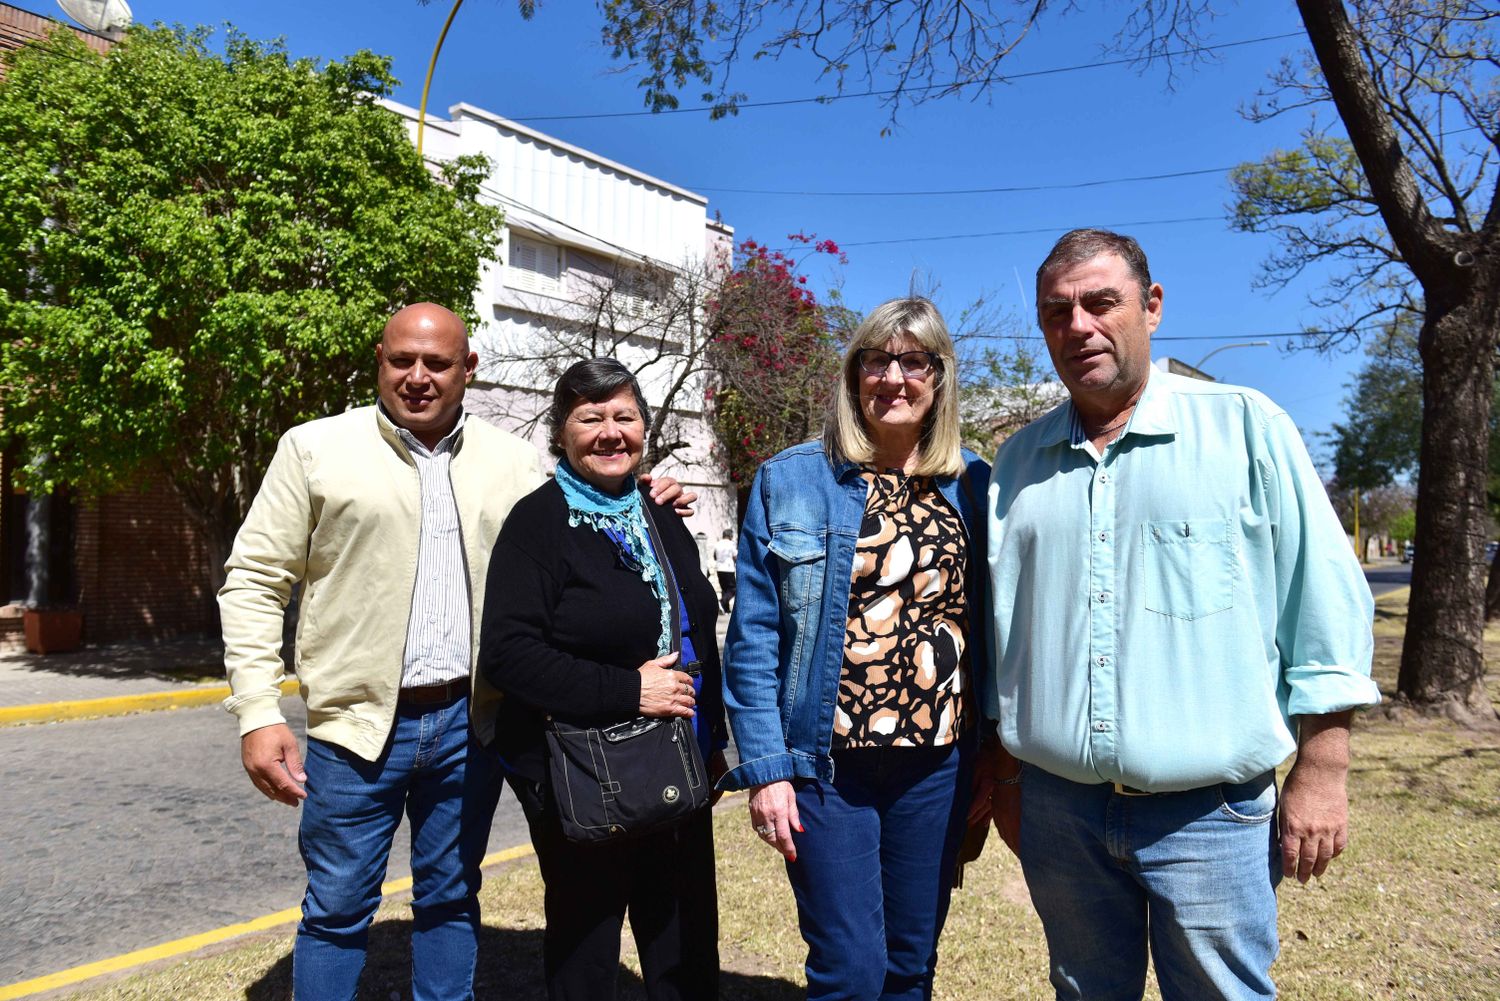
1278	335
1015	232
1011	189
892	91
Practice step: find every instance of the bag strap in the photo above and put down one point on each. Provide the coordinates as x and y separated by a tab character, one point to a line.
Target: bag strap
673	594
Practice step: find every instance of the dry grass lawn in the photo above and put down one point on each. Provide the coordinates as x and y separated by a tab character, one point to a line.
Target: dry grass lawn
1411	911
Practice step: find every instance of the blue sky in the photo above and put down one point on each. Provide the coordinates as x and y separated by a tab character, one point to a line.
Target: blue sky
1057	128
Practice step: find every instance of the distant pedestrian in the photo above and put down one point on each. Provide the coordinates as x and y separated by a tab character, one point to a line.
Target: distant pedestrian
724	551
386	515
1177	610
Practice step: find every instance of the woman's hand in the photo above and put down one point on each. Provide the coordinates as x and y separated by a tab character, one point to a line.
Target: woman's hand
665	692
773	815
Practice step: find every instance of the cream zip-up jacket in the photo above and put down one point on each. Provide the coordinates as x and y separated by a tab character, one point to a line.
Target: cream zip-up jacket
340	511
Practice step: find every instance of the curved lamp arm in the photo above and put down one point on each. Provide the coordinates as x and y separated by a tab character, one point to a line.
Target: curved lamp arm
432	65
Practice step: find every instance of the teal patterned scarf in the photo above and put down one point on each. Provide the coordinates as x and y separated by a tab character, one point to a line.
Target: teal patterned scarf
623	520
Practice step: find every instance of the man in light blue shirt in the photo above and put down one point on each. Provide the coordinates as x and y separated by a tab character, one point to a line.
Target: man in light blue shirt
1177	610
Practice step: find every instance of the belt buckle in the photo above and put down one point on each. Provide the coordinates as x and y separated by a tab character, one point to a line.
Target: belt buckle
1121	789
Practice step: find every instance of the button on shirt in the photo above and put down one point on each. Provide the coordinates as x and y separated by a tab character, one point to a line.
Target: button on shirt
1163	609
438	631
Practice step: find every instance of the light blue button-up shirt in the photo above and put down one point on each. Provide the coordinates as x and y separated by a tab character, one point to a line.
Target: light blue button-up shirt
1163	610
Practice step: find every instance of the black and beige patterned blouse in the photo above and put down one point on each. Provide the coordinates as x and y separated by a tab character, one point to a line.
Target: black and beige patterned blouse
905	676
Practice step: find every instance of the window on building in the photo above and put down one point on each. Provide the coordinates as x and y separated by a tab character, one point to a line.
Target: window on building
643	289
534	266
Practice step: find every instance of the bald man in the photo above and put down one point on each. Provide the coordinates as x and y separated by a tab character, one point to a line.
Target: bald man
386	515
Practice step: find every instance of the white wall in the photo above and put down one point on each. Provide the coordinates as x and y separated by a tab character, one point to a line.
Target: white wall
603	214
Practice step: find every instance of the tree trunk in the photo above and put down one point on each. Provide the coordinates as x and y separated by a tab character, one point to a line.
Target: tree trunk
1442	659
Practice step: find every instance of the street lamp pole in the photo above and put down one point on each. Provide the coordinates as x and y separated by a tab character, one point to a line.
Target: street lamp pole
1226	347
432	65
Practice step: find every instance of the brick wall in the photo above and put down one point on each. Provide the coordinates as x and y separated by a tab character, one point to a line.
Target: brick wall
19	26
141	568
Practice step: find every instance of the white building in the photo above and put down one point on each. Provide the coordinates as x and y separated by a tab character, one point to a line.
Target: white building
597	258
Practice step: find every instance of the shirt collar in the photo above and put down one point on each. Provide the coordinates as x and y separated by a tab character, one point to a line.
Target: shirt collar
1152	417
449	441
1153	412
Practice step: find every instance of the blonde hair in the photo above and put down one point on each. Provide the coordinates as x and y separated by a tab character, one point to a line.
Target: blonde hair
848	439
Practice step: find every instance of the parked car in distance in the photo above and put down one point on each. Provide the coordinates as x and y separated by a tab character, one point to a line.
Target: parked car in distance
1407	552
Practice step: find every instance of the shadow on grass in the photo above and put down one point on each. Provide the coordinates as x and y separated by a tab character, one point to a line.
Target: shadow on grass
1421	778
510	967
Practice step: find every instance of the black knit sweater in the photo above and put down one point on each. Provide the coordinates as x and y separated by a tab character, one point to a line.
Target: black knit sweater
566	625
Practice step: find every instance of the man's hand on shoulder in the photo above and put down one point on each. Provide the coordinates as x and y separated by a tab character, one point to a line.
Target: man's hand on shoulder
665	490
274	763
1315	798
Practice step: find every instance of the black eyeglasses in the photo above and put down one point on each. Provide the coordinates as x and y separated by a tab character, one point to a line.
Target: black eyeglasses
914	364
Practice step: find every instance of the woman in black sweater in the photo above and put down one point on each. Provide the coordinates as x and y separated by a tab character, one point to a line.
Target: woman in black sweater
575	617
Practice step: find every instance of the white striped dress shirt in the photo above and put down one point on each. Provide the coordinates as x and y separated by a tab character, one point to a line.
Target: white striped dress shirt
438	630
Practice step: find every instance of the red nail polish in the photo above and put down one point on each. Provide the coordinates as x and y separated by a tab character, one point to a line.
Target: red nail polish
800	828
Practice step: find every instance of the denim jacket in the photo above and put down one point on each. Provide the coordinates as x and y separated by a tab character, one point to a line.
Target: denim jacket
785	648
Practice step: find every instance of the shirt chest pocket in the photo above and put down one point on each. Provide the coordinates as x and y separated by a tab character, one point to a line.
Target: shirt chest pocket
803	557
1189	566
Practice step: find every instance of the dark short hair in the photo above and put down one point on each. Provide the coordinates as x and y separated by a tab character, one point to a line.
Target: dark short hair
594	380
1079	245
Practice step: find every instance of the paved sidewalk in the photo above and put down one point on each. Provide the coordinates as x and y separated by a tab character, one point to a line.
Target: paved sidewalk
124	671
98	672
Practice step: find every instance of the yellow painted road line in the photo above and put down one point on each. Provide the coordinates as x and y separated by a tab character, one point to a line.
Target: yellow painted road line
192	943
120	705
1399	594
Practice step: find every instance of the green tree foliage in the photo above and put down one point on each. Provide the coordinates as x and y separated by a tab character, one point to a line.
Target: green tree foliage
1380	439
198	250
1404	525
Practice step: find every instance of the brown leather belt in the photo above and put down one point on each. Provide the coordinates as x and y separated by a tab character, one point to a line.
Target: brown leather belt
430	694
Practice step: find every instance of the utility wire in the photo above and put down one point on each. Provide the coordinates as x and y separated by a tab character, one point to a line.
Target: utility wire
1014	232
946	85
1011	189
1279	335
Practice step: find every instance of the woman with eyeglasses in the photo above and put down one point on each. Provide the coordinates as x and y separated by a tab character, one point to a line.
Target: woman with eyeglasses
854	656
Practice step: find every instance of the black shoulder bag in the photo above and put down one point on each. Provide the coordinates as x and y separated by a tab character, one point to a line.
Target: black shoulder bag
634	778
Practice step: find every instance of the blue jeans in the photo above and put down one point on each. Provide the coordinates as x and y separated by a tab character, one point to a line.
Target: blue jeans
875	867
433	769
1194	873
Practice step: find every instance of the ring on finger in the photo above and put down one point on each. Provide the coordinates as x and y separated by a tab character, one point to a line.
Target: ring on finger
765	830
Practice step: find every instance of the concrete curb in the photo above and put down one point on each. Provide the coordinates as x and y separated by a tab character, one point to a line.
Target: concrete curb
1399	594
121	705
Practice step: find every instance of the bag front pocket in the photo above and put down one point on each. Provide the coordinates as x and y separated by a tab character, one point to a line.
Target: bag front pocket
1189	566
